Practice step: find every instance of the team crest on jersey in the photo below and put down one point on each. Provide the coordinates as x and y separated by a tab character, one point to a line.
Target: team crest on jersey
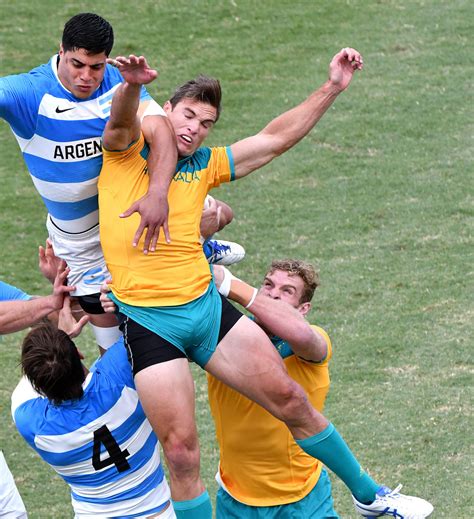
94	276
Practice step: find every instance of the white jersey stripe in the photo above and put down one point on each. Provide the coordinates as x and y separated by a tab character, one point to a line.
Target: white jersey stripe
115	417
142	503
50	150
70	192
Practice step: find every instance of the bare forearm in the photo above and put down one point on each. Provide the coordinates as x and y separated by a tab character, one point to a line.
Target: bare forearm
163	156
283	132
124	108
17	315
284	321
277	318
290	127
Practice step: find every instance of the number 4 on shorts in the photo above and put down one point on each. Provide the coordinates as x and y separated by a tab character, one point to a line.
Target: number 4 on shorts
117	457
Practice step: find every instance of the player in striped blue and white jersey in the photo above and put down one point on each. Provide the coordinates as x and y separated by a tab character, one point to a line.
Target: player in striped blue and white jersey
90	427
57	112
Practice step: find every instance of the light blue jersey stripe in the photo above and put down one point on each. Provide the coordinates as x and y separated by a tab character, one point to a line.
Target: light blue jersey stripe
145	486
54	172
71	210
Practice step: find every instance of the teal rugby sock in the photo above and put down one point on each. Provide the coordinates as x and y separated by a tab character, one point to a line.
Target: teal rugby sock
198	508
329	447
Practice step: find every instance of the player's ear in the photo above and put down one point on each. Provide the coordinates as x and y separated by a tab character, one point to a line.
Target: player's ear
61	49
304	308
167	107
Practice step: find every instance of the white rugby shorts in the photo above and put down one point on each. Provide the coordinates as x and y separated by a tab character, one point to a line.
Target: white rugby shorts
83	254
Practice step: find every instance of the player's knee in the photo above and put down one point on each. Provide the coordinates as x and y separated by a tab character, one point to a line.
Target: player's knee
291	401
182	456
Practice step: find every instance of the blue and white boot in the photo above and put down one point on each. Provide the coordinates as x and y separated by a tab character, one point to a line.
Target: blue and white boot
392	503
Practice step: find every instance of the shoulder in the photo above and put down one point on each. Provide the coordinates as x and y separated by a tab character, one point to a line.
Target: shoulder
27	406
11	293
28	87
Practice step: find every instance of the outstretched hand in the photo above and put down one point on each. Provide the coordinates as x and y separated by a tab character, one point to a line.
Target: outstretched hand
153	211
343	66
134	69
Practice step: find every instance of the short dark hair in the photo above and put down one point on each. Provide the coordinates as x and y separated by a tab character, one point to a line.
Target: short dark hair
203	88
302	269
90	32
52	364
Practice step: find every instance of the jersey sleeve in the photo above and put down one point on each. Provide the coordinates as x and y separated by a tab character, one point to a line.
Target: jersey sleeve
11	293
145	96
221	166
319	330
16	101
23	392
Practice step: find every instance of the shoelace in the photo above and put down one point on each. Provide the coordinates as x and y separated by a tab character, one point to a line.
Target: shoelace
393	493
217	248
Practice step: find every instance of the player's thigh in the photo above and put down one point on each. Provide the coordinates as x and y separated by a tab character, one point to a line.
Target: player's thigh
247	361
166	391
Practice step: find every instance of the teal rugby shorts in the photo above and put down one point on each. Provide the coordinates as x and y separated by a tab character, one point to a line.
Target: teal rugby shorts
193	327
318	504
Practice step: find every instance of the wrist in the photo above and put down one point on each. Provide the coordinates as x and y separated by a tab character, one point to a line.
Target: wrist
242	293
331	89
51	303
158	191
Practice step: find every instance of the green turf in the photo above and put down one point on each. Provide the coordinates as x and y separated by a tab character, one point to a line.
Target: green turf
380	196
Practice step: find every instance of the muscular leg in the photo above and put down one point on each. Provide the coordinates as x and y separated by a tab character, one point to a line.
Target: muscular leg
246	360
166	392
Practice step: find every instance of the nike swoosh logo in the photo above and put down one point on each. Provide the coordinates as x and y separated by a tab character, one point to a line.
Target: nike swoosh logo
59	111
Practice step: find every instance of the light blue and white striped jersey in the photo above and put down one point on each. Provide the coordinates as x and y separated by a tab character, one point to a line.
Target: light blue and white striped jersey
60	138
11	293
102	445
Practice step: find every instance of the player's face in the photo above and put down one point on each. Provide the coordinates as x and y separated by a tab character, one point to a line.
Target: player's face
281	285
192	121
81	73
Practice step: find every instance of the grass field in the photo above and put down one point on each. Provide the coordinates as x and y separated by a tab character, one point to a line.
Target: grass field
379	196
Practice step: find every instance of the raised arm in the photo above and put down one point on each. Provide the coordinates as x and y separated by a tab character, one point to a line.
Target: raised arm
286	130
18	315
153	207
123	128
275	316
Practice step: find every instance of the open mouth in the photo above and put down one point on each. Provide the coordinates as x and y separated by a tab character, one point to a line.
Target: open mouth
186	139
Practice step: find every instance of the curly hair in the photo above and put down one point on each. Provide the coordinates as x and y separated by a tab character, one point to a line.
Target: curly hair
302	269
